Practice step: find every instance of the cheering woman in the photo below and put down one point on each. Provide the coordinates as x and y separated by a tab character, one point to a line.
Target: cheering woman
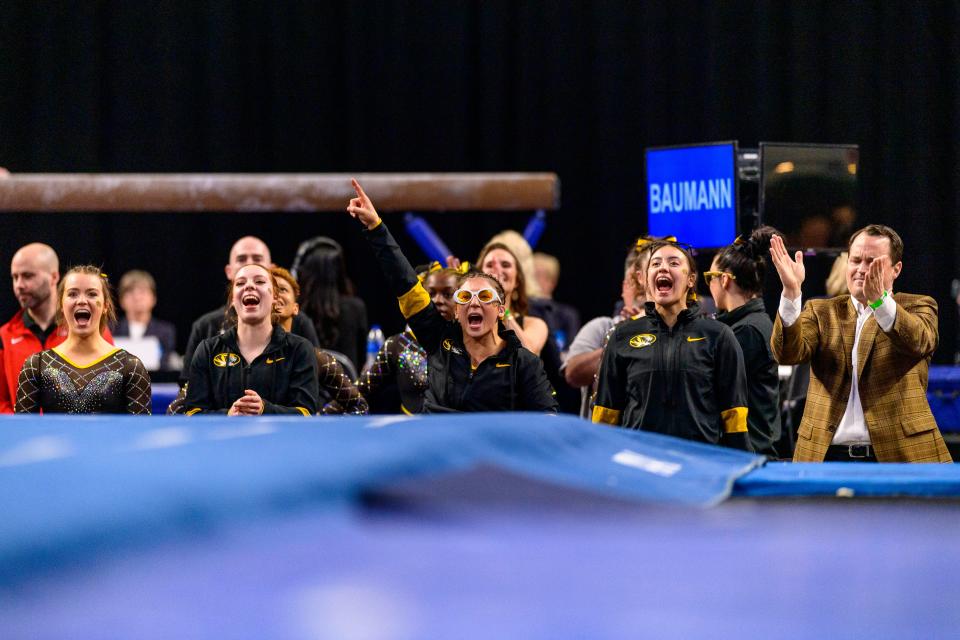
84	374
401	362
255	367
673	371
474	364
736	284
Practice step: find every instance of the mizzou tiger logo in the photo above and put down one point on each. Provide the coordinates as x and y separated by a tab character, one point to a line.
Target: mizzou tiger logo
226	360
642	340
448	346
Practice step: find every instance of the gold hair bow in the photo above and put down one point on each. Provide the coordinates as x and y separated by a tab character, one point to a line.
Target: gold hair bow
436	266
643	240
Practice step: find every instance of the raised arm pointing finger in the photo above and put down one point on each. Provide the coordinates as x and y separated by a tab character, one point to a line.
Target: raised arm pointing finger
362	208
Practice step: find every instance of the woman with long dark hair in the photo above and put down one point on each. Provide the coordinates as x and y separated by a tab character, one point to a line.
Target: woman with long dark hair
327	297
736	284
338	394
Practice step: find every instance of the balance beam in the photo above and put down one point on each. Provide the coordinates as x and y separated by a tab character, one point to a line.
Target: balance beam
245	192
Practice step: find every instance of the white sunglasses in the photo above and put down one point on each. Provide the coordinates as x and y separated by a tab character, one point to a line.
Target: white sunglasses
486	295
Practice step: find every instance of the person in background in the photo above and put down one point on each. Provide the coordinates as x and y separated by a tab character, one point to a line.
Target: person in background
674	371
246	250
138	296
869	354
327	297
836	284
84	373
499	260
35	272
338	394
522	251
735	280
401	362
255	367
583	358
562	319
475	364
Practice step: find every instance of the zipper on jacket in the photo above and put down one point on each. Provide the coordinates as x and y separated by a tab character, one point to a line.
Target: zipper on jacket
666	360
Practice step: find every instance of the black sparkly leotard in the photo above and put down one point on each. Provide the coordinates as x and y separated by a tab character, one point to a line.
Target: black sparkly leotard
116	383
403	361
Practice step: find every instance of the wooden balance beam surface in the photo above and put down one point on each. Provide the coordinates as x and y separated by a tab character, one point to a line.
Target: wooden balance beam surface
60	192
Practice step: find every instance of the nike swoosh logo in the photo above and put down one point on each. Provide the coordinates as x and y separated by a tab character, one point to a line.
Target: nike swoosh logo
502	364
271	360
16	340
689	339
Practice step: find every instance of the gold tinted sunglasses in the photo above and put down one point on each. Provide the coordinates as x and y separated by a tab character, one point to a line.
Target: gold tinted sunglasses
710	275
485	296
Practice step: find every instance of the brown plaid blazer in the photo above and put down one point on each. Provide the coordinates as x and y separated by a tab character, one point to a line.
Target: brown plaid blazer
893	369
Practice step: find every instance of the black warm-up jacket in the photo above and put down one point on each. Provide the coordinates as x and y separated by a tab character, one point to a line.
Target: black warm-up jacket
284	375
512	380
686	381
752	327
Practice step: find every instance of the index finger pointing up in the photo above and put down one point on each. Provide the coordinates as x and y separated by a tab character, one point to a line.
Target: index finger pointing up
360	193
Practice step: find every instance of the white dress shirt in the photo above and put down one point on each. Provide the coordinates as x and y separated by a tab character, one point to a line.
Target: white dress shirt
137	329
853	425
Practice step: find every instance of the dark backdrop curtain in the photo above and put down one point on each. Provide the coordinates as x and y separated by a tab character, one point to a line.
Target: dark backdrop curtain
579	88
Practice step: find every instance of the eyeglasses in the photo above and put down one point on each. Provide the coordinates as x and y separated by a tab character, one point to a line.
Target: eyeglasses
710	275
485	296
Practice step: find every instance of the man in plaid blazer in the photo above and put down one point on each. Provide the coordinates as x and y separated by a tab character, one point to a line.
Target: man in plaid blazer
869	355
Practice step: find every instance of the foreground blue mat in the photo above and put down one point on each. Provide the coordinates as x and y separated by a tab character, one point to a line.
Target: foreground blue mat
848	480
72	486
458	526
476	555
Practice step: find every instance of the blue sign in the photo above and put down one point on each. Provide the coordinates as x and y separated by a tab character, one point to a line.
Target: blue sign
692	194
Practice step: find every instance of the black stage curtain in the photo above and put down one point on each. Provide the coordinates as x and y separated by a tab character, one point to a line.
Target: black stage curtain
579	88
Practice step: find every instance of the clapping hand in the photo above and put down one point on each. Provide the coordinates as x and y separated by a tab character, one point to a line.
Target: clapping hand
875	282
362	208
791	270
